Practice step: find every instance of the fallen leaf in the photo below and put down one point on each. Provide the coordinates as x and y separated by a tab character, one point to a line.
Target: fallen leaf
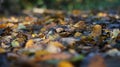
3	25
2	50
15	43
77	34
101	14
29	43
97	61
80	25
97	30
65	64
57	44
57	56
39	53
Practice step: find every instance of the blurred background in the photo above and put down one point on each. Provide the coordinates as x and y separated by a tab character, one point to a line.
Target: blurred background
16	6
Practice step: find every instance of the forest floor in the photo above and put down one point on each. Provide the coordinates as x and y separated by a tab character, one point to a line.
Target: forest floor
53	38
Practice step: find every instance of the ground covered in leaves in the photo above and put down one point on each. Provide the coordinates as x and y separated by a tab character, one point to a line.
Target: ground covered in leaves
60	39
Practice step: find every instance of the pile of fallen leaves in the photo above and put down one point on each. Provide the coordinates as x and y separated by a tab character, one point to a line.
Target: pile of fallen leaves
59	39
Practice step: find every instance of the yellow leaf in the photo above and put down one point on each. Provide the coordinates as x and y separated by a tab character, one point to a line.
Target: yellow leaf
10	24
77	34
13	19
2	50
34	35
43	30
97	30
38	53
65	64
29	43
101	14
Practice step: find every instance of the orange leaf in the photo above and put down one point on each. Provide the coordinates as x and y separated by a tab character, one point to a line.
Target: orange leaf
3	25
